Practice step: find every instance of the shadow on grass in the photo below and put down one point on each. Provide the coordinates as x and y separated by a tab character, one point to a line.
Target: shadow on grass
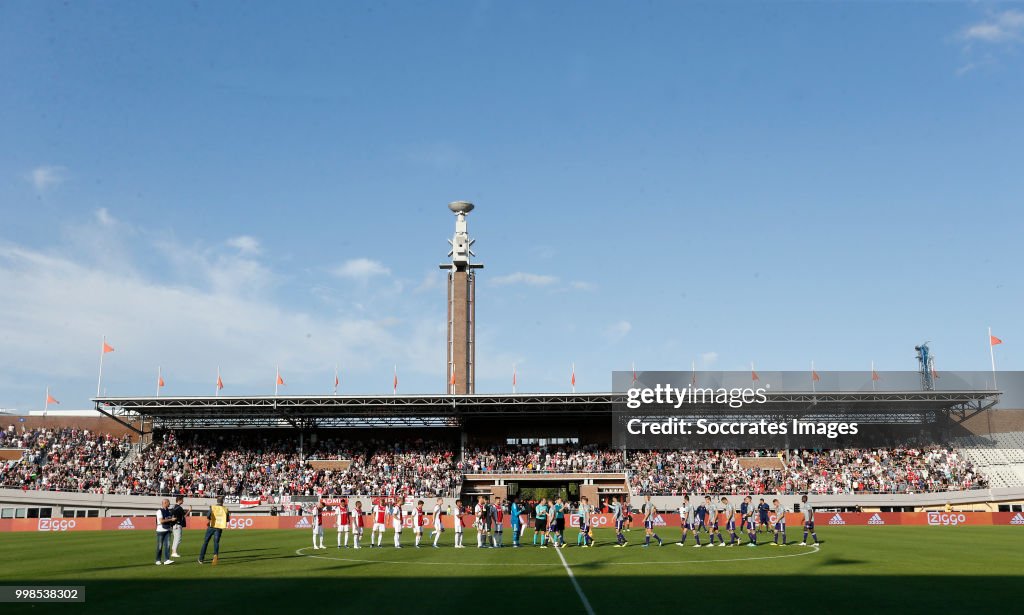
358	588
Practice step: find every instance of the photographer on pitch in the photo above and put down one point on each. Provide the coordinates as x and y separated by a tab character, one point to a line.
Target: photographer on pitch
216	521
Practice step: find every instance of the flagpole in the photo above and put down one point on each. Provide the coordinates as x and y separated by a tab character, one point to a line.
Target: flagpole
814	388
872	375
574	378
216	386
394	381
992	355
277	378
46	404
693	373
99	382
513	378
158	376
335	378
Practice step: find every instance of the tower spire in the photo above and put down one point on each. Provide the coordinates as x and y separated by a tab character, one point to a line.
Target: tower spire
460	373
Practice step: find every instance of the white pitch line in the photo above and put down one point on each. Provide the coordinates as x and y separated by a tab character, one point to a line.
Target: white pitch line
579	590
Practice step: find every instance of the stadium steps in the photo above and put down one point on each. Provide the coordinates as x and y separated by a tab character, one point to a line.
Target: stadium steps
1000	457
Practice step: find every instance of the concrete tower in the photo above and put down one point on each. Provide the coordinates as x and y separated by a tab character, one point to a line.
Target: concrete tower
461	306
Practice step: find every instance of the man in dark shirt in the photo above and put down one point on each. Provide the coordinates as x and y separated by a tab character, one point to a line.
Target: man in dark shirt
179	515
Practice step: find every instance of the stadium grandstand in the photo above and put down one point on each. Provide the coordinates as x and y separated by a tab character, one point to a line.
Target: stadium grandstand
278	454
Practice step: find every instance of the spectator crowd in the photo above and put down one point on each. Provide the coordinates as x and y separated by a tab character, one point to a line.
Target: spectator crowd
268	466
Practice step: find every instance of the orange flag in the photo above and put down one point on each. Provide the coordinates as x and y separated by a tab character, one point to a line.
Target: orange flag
280	380
815	377
220	383
452	381
51	400
159	381
993	340
107	348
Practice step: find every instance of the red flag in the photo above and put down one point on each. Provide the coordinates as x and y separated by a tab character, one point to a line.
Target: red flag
634	374
815	377
336	381
107	348
935	374
394	383
51	400
753	375
159	381
993	340
874	375
513	375
280	380
573	379
220	383
452	381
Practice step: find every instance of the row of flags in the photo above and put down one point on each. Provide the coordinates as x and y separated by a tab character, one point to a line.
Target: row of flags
106	348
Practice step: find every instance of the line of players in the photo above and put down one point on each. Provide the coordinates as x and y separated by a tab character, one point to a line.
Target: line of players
549	522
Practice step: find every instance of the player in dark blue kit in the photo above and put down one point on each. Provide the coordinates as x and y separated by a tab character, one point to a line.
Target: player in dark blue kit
763	509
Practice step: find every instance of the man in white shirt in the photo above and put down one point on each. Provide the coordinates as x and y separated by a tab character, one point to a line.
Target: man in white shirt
164	521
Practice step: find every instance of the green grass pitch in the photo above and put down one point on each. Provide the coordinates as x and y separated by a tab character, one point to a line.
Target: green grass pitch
856	569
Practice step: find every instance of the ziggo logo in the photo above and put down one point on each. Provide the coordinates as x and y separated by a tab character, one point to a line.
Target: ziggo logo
56	525
240	524
937	518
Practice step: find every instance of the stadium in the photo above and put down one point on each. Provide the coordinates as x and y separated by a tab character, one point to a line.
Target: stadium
910	523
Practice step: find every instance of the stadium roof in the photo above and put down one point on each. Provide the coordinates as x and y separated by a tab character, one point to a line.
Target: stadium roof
312	411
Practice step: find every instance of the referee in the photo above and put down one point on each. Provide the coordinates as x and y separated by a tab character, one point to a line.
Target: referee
216	520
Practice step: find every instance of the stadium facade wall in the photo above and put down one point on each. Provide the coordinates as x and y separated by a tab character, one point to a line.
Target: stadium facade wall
254	522
111	505
981	500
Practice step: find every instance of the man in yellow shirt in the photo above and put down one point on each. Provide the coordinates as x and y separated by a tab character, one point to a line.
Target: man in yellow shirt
216	521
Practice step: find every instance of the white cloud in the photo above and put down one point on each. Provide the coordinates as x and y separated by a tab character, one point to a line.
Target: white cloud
245	244
527	279
360	269
1004	27
56	307
708	359
618	330
45	176
104	218
578	285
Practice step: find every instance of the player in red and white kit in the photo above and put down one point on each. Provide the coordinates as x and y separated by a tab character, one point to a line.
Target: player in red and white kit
395	512
344	519
318	525
419	519
358	522
438	523
379	512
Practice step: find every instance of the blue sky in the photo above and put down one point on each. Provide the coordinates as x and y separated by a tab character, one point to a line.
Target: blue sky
247	184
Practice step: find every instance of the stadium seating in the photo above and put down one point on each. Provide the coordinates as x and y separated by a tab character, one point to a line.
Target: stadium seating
999	456
265	465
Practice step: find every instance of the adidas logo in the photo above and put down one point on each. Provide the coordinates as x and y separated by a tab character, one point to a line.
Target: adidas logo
836	520
875	520
303	523
128	525
1018	519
